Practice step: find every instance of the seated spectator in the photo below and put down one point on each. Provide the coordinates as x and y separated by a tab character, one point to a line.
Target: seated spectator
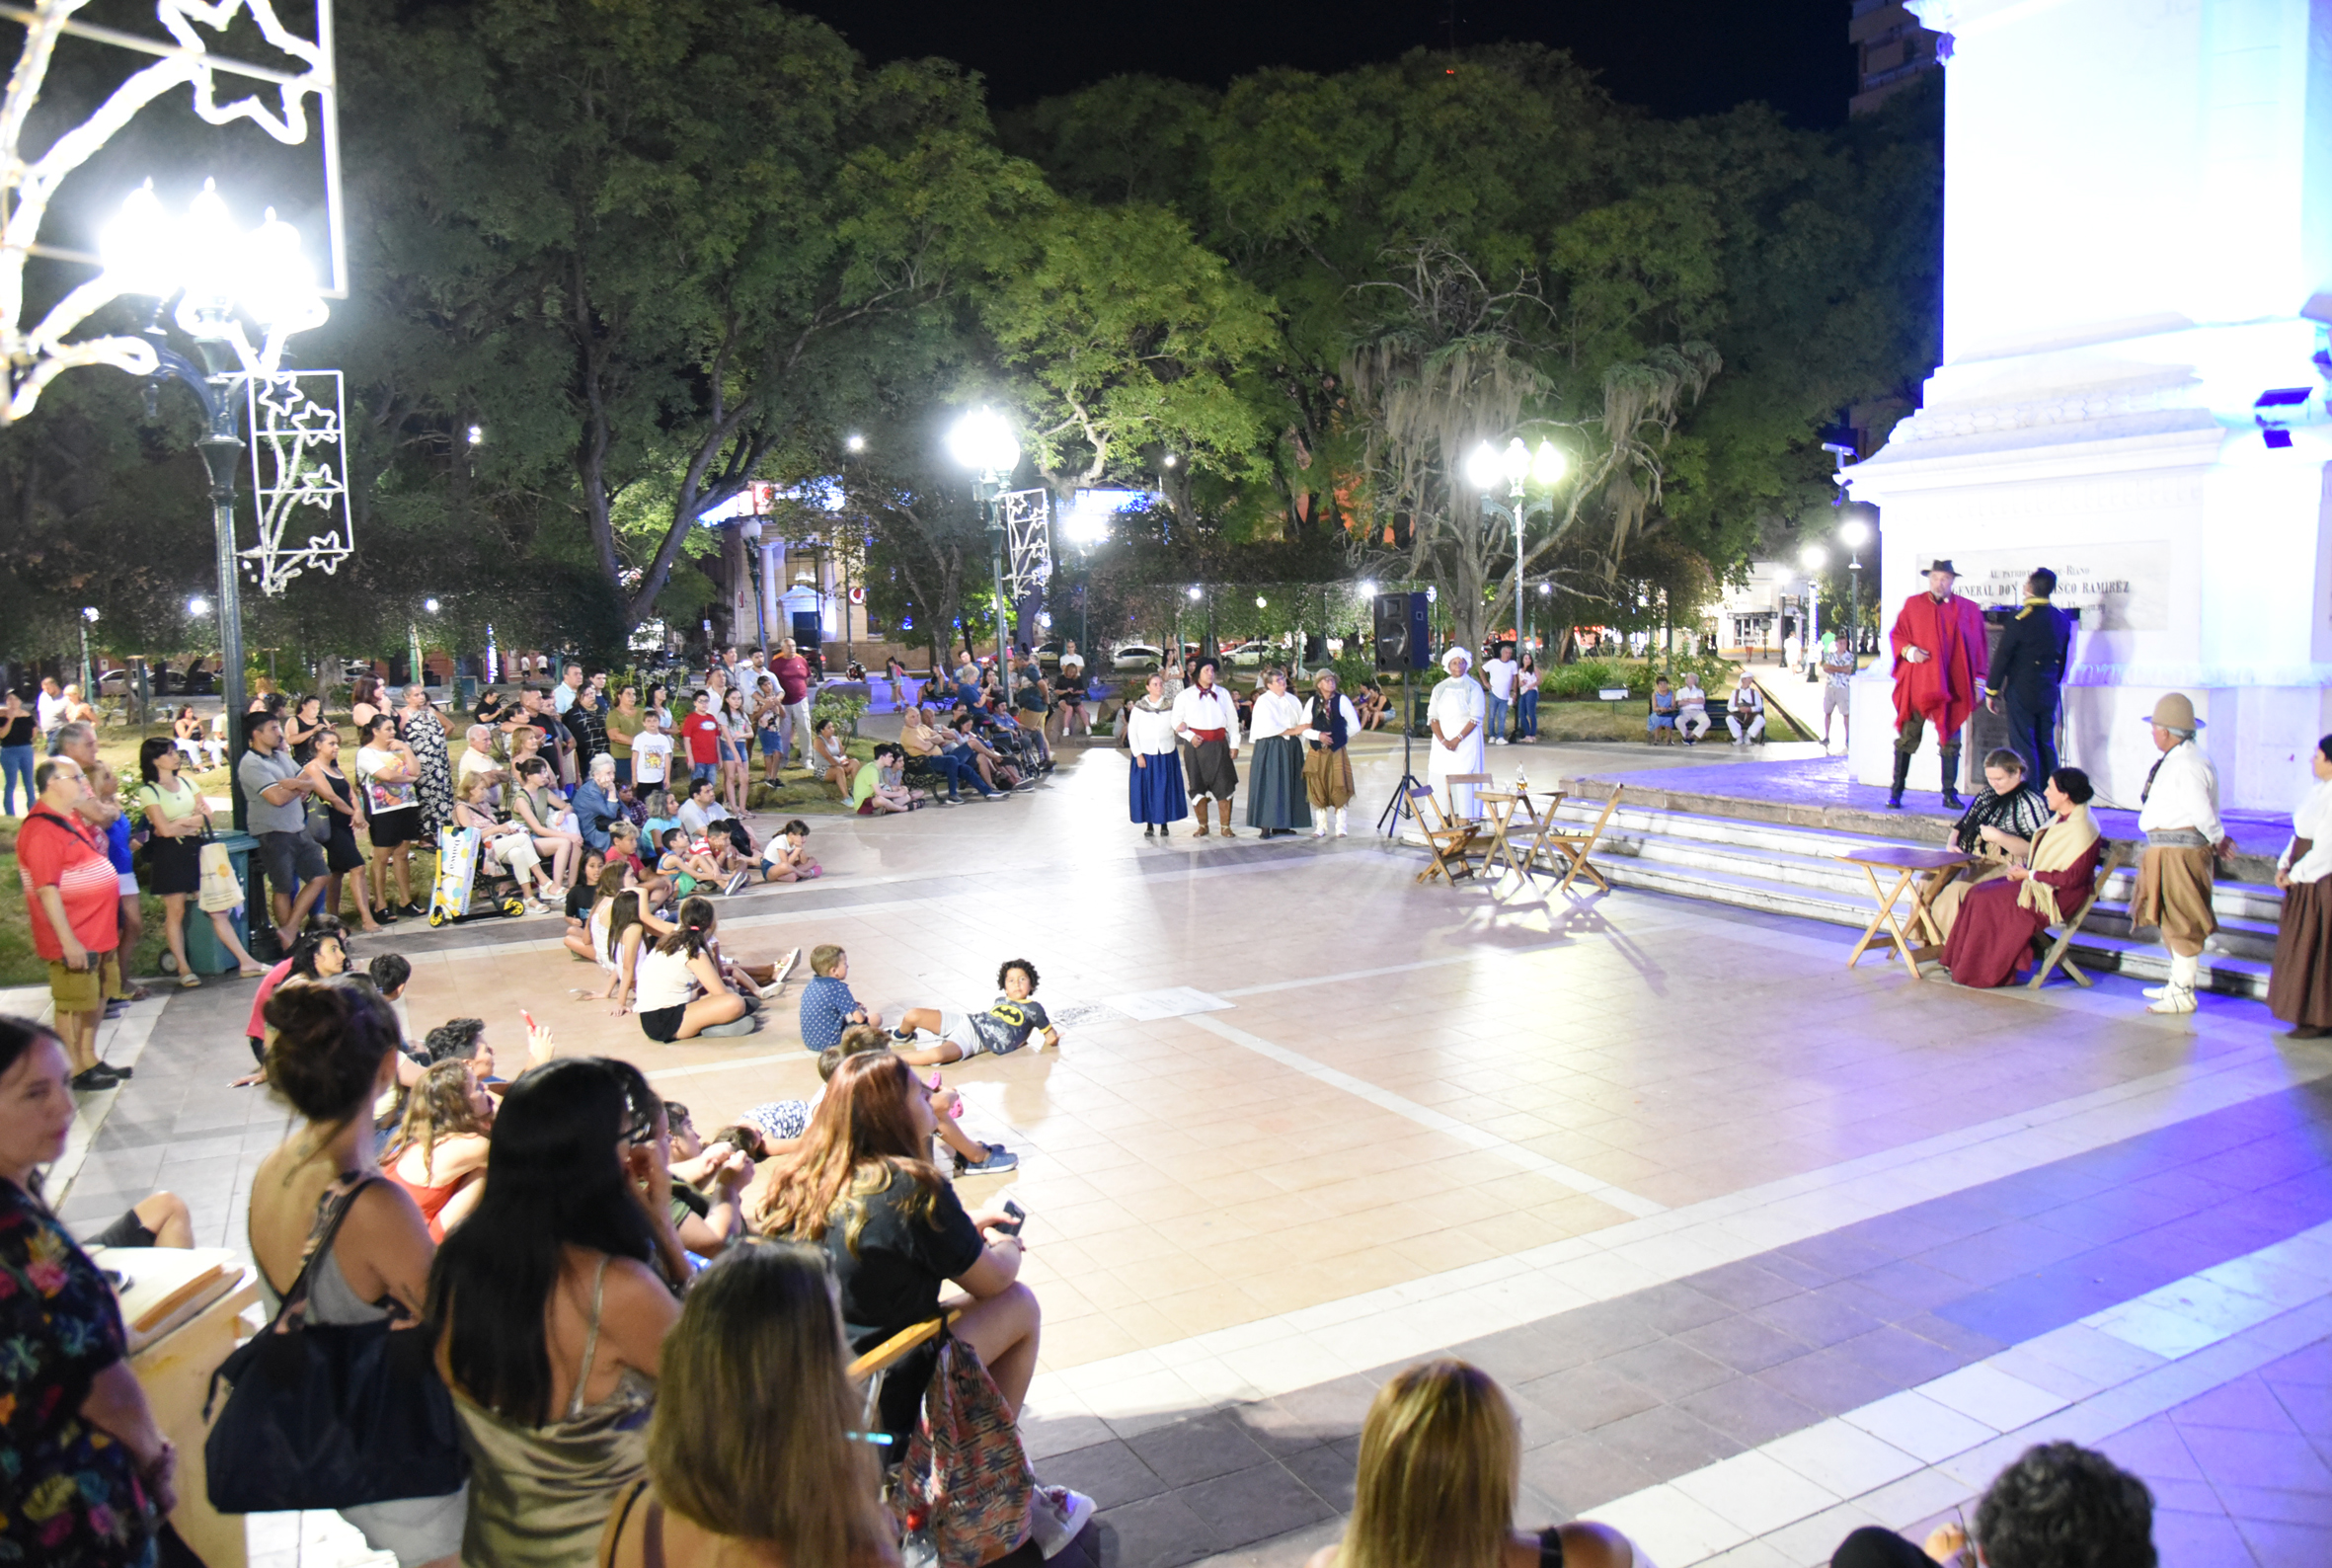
478	762
621	927
585	892
1692	709
680	991
80	1436
1369	698
690	865
596	804
553	1299
321	952
536	804
1440	1465
664	814
805	1489
1991	940
463	1039
827	1006
777	1126
705	1182
506	844
585	930
984	757
1003	1029
929	757
2058	1505
880	788
1997	829
830	758
787	857
158	1219
707	819
1664	708
893	1232
1744	715
331	1052
623	853
438	1151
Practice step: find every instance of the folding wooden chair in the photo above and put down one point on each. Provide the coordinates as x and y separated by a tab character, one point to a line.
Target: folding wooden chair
2057	955
1578	846
1450	843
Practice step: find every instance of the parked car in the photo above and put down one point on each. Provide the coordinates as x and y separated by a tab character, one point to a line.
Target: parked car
1137	655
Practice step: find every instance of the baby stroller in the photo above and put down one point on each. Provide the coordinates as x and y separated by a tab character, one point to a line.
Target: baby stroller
468	884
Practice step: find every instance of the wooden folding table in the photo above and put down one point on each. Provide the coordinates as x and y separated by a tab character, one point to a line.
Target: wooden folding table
1931	870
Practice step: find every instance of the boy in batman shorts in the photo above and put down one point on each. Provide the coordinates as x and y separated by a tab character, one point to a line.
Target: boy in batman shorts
1003	1029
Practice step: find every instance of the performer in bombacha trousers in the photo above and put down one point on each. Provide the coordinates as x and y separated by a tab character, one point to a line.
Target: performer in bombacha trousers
2026	671
2300	988
1940	661
2184	841
1205	716
1327	769
1277	802
1454	715
1154	793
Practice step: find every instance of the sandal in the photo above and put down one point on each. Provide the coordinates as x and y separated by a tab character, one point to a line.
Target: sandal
251	974
188	980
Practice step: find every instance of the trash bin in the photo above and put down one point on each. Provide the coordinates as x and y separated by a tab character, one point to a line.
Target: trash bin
469	693
203	954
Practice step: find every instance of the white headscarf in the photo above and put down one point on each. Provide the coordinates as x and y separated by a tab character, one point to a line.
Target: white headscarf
1456	657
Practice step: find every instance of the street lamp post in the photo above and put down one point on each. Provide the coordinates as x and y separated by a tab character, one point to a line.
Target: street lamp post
88	675
982	441
1812	558
1854	533
1519	467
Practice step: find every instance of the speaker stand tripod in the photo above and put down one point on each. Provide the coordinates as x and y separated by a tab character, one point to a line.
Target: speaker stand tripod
1389	821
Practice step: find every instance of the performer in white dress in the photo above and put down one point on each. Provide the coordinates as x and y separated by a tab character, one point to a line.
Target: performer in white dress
1154	794
1454	715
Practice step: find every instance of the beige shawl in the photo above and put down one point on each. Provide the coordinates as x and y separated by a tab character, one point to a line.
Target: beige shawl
2055	848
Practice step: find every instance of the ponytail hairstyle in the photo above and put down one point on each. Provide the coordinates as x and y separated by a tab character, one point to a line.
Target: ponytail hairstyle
694	931
622	916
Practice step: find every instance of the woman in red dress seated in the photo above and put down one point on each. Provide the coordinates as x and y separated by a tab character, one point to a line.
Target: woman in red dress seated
1991	941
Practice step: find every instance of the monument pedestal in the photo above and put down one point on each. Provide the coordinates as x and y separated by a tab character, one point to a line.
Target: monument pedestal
2138	264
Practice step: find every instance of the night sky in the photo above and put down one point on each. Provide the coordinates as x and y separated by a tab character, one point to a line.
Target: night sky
1672	56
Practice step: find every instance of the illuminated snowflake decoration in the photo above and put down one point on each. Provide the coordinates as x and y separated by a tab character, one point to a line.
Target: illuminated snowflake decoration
1027	539
299	473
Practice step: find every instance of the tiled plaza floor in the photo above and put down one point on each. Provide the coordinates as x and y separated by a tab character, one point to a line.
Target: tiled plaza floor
1764	1248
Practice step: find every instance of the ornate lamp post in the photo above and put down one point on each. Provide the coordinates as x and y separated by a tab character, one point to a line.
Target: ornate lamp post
982	441
1854	533
1521	468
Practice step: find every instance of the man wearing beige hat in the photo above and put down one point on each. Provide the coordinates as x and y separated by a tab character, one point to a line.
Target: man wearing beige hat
2184	843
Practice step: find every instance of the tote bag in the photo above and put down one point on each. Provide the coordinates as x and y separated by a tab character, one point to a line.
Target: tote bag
218	891
330	1415
967	1477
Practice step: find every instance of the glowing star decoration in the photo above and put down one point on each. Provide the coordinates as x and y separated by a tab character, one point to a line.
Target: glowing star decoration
298	472
270	278
1028	542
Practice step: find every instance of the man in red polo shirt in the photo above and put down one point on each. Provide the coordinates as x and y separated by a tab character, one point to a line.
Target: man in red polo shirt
73	901
792	688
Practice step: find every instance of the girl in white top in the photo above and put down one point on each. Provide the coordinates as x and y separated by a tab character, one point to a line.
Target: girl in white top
679	989
2300	988
1454	715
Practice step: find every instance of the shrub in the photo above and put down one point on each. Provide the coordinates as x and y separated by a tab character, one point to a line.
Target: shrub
845	708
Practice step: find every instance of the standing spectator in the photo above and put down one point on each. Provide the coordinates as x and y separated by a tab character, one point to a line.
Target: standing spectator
1527	701
17	750
1499	674
51	708
177	822
424	735
302	725
82	1442
624	721
365	697
651	756
586	727
1070	694
571	681
1440	1465
333	1051
737	750
700	733
554	1298
72	902
793	683
275	796
896	673
387	772
1839	664
765	702
339	796
106	785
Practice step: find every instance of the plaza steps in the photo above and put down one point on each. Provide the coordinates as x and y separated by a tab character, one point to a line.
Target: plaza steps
1734	853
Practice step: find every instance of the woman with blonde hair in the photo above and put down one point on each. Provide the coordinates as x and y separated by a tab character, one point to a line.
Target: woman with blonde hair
1441	1463
759	1332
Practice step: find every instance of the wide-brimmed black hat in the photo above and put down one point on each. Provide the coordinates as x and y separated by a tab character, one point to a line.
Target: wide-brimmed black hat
1944	565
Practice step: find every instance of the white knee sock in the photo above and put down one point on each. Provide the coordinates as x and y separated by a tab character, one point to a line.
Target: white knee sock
2184	971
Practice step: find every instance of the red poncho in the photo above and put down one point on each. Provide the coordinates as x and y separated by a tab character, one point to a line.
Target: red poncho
1943	685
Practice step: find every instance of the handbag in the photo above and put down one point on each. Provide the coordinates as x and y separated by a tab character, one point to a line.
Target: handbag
320	824
966	1477
330	1415
218	889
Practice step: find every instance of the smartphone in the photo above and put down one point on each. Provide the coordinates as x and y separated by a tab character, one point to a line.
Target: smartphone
1019	1218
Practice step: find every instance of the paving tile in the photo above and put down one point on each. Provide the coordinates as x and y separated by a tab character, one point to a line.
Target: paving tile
1108	1472
1155	1532
1814	1319
1742	1284
1330	1472
1749	1411
2246	1406
1667	1440
1256	1504
2281	1461
1589	1396
1668	1369
1197	1449
1829	1381
1580	1472
1901	1355
2278	1545
1743	1343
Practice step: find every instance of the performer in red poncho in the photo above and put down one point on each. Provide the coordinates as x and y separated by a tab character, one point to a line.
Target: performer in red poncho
1940	664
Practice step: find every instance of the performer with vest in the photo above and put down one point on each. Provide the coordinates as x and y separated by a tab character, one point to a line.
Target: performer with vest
2178	812
1940	664
2028	670
1327	770
1206	717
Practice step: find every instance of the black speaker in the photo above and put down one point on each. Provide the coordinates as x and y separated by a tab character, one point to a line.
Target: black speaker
1391	636
1421	632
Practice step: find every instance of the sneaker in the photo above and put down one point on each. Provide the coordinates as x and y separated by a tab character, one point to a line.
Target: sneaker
737	881
1000	1160
1057	1516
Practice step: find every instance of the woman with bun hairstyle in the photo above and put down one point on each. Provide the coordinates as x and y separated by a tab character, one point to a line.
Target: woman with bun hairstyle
1441	1463
678	990
794	1485
552	1301
332	1052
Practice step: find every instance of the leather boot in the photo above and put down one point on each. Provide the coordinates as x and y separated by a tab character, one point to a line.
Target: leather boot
1902	771
1223	809
1951	778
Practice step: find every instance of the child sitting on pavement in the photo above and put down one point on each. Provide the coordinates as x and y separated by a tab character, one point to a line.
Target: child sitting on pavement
1003	1029
778	1125
787	856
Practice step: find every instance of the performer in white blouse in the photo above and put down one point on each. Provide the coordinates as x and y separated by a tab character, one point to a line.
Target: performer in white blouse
2178	812
1275	801
2299	986
1331	721
1455	716
1153	793
1206	717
